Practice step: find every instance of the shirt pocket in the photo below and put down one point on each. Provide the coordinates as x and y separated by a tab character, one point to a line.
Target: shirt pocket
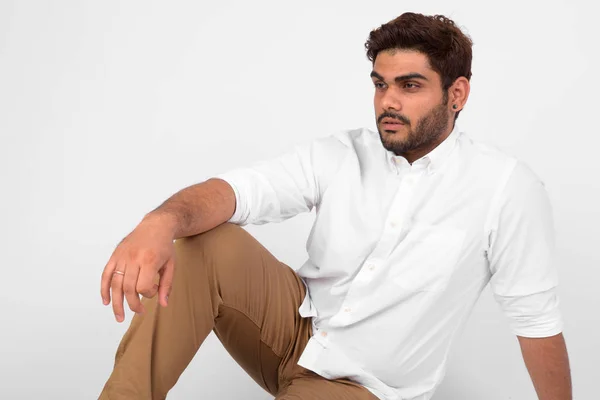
427	257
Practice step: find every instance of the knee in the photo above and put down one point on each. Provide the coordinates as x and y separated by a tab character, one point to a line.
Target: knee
225	238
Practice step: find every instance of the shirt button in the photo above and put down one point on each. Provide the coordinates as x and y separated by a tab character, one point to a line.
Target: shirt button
347	309
371	267
324	334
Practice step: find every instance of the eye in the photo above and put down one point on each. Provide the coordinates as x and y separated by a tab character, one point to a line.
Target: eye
411	86
379	85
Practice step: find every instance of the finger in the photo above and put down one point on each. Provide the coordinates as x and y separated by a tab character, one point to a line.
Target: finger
166	281
146	285
106	280
117	295
129	285
151	292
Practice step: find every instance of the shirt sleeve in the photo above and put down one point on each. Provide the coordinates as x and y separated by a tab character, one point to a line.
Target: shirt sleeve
287	185
522	256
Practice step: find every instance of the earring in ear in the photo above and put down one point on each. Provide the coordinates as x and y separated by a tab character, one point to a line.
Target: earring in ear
454	106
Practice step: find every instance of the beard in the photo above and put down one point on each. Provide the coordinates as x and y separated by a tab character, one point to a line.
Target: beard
426	133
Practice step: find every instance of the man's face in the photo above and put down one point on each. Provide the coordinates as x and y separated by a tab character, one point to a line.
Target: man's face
412	111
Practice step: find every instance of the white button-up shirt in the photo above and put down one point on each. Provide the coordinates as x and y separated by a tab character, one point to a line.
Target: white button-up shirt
399	254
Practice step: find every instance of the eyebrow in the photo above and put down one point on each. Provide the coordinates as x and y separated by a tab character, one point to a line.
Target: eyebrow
401	78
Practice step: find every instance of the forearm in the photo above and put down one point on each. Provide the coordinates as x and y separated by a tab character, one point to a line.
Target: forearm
548	364
195	209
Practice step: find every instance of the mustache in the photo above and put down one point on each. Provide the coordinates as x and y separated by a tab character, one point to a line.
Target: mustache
399	117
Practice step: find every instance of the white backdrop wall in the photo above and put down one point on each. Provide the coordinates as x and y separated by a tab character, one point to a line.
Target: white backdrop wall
109	107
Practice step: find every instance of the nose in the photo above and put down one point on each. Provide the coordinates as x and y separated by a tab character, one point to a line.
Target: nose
391	100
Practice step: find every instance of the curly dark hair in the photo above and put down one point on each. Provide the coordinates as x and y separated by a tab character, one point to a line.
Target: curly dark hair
448	49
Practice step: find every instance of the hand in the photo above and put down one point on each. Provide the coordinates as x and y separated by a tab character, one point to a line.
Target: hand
146	253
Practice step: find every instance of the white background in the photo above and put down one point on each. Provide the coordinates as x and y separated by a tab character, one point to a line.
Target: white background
109	107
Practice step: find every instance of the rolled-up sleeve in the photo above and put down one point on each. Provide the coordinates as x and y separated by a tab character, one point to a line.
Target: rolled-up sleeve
522	256
287	185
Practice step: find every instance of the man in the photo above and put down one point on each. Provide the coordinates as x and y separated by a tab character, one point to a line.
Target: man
411	224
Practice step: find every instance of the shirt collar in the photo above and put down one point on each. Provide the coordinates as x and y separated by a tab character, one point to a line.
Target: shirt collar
432	160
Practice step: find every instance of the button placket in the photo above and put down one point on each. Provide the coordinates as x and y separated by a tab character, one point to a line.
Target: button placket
323	336
366	273
404	196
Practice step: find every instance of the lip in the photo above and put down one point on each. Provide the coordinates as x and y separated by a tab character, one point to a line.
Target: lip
391	122
391	126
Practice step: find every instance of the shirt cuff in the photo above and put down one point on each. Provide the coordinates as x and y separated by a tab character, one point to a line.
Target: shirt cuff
535	316
240	215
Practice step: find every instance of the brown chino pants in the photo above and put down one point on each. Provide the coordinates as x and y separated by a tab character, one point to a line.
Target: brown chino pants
225	281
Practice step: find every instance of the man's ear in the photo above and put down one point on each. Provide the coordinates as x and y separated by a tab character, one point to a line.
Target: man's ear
458	94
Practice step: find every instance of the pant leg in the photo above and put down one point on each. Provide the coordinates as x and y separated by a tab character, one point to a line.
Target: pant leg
225	281
308	385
